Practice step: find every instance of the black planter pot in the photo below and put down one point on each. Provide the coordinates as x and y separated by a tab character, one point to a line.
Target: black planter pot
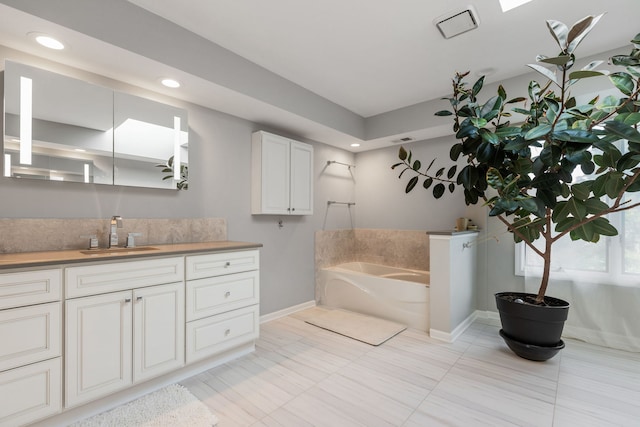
532	331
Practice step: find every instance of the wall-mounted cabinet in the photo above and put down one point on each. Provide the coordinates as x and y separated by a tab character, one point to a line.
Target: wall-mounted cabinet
63	129
282	175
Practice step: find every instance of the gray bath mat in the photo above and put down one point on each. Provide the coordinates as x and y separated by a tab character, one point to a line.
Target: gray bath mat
370	330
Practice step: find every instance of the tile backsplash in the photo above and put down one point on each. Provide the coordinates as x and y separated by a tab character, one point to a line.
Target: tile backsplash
45	234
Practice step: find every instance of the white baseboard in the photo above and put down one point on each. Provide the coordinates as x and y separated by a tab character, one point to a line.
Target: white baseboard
457	331
286	311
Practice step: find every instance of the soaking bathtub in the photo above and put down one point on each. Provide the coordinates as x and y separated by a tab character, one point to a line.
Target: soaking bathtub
391	293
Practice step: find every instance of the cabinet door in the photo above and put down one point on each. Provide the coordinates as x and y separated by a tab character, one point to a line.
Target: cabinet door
271	179
301	186
98	346
158	330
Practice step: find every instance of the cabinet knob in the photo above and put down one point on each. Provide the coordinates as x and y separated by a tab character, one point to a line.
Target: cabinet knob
227	294
227	332
127	300
293	209
138	298
227	264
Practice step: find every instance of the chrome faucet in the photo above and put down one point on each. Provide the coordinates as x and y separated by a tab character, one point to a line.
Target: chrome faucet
116	222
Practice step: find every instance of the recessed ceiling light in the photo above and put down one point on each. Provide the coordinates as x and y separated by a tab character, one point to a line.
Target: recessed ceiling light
170	83
507	5
47	41
355	144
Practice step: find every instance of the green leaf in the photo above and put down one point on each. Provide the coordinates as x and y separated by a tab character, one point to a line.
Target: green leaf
594	205
599	186
629	119
411	184
479	122
438	190
477	86
614	184
558	60
402	154
455	152
506	132
545	72
583	74
538	132
579	31
452	187
559	31
439	173
623	81
628	161
397	164
575	135
427	183
603	226
582	190
622	130
491	108
489	136
452	171
550	155
443	113
417	165
468	177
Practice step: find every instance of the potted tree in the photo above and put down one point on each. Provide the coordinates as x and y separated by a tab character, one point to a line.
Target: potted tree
523	171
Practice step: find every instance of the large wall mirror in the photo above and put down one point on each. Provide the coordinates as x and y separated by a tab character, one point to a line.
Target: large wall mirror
65	129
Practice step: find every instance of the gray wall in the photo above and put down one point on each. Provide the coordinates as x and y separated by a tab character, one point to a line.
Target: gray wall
220	186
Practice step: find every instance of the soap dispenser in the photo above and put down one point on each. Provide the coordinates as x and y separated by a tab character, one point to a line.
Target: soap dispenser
116	222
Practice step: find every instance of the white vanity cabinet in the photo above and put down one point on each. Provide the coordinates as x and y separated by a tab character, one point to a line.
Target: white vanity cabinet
30	345
282	175
223	293
121	337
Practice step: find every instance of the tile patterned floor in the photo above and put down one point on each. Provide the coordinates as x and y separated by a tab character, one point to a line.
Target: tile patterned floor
301	375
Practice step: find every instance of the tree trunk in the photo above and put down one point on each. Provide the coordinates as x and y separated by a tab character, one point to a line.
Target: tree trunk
546	270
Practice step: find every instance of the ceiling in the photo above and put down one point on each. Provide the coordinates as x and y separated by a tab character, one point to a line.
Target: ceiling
337	71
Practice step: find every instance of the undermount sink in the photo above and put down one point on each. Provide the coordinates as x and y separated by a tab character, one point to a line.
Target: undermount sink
106	251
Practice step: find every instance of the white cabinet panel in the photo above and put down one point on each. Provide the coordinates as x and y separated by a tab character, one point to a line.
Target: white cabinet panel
282	175
215	295
30	393
30	334
30	287
158	330
98	346
215	334
218	264
111	277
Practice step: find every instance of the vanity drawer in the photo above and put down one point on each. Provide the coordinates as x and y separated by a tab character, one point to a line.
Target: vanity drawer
215	334
30	393
30	334
102	278
218	264
30	287
215	295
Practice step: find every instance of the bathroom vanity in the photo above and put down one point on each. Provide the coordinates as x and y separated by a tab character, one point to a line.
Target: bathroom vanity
103	327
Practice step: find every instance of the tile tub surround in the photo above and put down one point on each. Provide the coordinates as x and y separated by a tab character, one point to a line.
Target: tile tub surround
394	248
46	234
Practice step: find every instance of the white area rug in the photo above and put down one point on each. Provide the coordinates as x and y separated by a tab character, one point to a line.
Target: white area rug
370	330
172	406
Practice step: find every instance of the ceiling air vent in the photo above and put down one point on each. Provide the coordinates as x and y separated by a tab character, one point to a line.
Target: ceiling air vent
457	22
401	140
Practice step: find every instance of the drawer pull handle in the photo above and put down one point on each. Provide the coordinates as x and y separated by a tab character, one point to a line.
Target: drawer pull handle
227	294
138	298
227	264
227	332
127	300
